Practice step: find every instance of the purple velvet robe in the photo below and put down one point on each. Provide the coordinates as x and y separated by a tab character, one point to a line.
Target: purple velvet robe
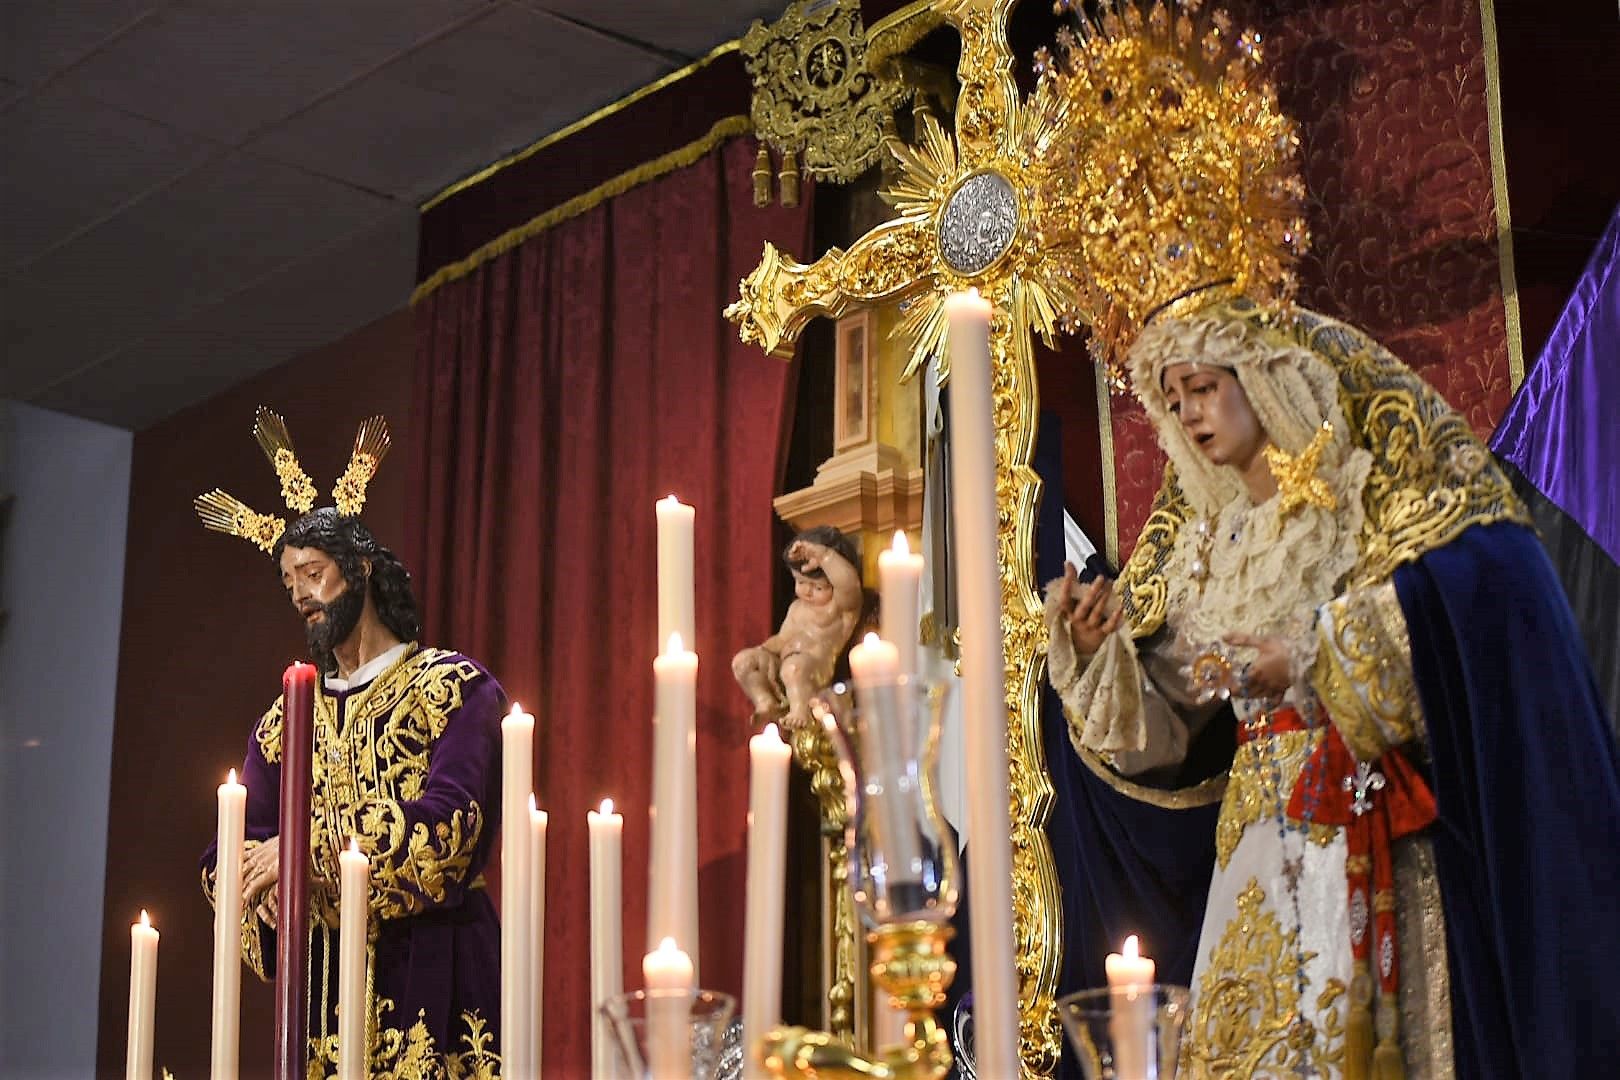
409	763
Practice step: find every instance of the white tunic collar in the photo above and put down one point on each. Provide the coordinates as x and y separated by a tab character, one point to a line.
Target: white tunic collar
368	670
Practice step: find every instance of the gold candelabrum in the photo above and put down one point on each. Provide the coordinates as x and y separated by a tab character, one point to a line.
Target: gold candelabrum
902	875
911	964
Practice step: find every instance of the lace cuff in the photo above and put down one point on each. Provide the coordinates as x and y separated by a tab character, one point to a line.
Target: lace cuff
1102	694
1363	670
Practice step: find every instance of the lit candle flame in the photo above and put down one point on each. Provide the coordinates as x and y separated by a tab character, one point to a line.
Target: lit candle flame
533	805
675	646
607	807
354	844
230	777
771	733
871	639
901	545
517	709
146	920
1131	949
666	945
671	499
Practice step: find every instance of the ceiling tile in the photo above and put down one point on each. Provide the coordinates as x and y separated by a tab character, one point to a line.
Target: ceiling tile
225	68
208	235
69	161
40	37
452	107
311	302
677	25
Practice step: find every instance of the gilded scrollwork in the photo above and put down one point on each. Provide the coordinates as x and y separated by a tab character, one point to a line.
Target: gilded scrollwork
814	96
1248	1019
1363	670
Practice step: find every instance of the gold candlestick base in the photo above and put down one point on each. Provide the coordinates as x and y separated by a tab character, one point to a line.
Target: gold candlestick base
911	964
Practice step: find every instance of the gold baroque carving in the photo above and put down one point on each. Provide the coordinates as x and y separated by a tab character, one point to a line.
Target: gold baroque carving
815	97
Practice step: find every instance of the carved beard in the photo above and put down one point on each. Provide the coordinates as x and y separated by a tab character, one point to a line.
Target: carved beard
340	617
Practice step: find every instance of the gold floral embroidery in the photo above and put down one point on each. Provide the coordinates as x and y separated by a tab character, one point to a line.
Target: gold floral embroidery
1252	791
268	733
404	870
410	1053
1363	670
1247	1020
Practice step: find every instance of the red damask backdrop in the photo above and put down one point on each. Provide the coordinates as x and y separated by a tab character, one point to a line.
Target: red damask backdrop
1390	98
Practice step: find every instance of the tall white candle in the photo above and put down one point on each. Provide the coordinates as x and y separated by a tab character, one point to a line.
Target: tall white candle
354	882
676	600
1131	1011
517	781
607	943
226	1042
672	869
984	706
538	819
143	944
668	972
768	758
899	583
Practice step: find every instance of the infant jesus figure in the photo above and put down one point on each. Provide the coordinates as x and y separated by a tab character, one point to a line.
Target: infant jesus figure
782	673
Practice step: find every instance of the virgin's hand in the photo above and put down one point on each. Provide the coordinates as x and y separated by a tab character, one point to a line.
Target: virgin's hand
1095	614
1270	673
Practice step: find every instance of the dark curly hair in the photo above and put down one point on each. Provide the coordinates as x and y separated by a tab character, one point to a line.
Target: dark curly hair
351	545
827	536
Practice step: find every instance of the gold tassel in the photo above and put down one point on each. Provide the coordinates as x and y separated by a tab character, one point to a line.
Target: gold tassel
1358	1027
790	179
1387	1061
762	177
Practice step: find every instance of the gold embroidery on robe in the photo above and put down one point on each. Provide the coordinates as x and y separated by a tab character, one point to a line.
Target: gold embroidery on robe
1247	1020
1252	795
410	1054
1363	671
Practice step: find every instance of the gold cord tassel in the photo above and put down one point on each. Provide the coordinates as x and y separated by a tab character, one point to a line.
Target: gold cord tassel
1358	1026
790	179
762	176
1387	1061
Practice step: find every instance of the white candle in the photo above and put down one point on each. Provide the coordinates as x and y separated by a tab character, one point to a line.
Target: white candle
889	769
668	972
672	869
517	780
143	943
538	819
768	758
1131	1012
899	583
226	1042
675	589
607	946
354	883
984	705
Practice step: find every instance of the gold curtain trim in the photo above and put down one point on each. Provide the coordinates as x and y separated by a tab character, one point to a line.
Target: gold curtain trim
1110	482
679	158
1203	794
1499	188
898	31
581	124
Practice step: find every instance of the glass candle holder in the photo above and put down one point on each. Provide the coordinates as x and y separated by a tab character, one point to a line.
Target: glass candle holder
903	861
1126	1034
673	1034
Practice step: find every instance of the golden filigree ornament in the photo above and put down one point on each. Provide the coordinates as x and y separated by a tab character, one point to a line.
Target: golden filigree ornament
225	513
1175	179
1297	483
814	97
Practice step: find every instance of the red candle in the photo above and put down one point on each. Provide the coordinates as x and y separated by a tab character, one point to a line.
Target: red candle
292	997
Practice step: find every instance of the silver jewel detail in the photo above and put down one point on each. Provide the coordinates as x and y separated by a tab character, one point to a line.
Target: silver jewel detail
1358	916
1363	784
1386	955
979	223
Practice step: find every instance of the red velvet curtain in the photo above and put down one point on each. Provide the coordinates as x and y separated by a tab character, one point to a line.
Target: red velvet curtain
560	390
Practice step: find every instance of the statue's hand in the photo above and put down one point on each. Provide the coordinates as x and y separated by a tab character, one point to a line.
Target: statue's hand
1270	673
1093	612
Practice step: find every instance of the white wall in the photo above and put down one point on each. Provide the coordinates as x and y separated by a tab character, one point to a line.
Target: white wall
62	584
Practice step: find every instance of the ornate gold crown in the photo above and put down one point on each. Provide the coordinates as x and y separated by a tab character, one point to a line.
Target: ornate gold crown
1176	180
227	514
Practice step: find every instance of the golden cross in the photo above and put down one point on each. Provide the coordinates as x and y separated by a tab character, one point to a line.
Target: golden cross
966	219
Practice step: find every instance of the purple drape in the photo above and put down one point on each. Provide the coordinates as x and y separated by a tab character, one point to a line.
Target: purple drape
1560	431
